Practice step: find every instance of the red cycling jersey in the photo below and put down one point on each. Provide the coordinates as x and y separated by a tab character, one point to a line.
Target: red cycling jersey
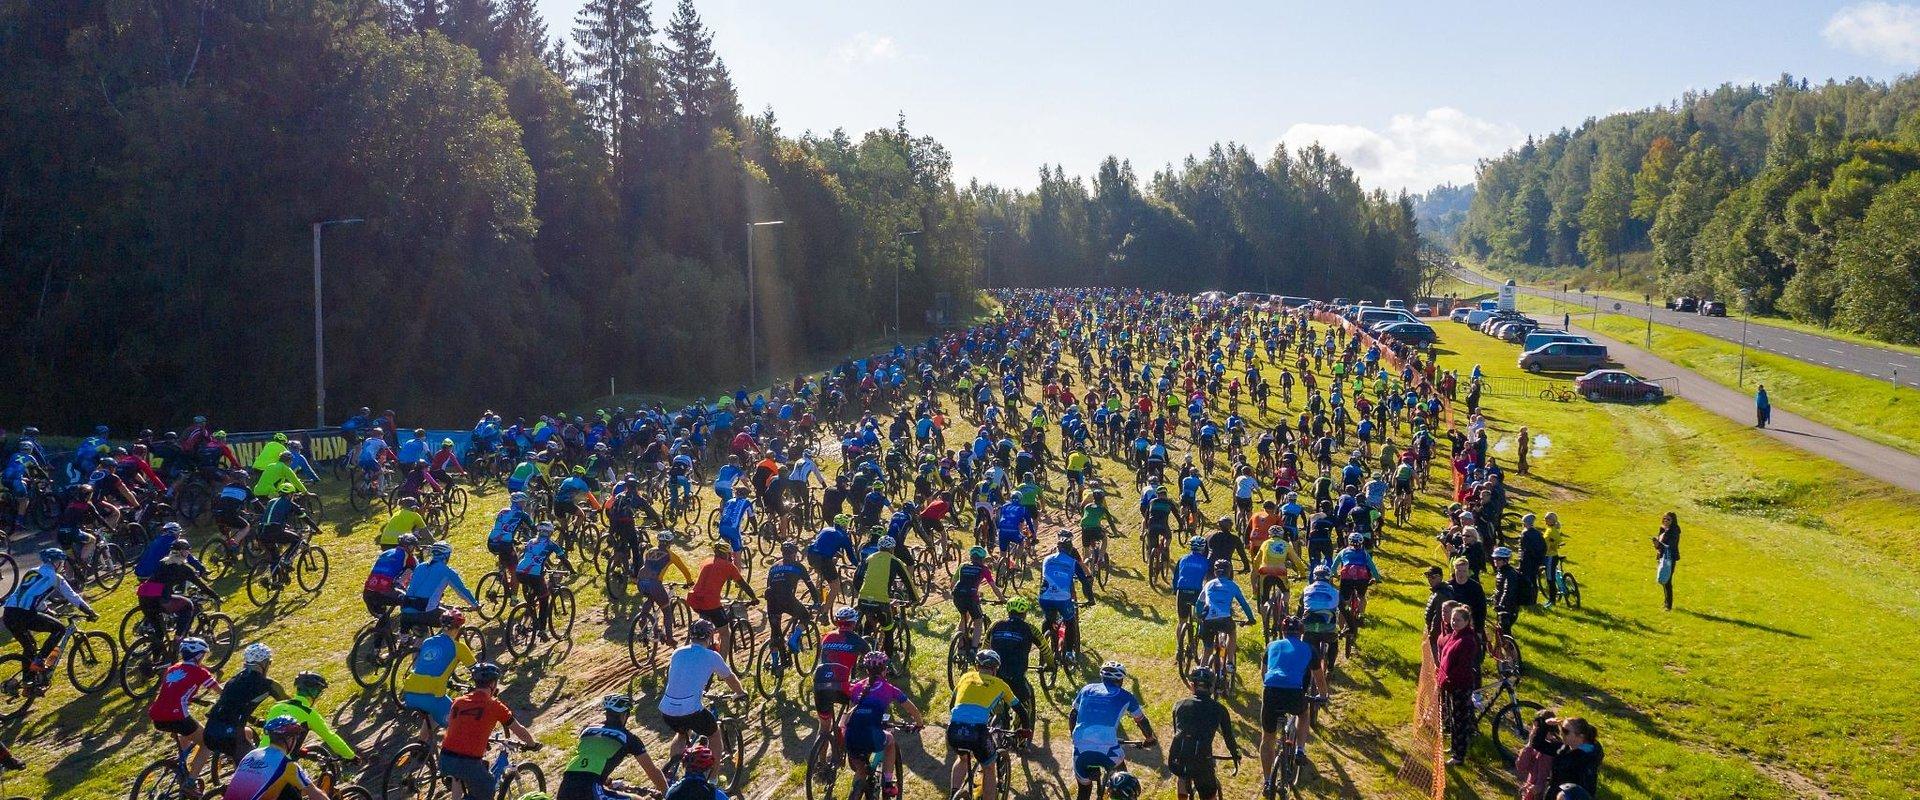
178	687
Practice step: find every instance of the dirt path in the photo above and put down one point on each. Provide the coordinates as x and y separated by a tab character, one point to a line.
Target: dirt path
1896	467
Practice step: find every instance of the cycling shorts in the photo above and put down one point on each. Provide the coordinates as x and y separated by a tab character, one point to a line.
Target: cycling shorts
970	738
702	722
968	604
437	706
1064	609
1277	702
1087	764
1184	598
1353	589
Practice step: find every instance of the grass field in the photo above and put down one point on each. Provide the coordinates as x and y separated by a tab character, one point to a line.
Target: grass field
1781	674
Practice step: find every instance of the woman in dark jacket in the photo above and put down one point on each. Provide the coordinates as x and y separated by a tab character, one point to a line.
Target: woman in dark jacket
1459	676
1578	760
1667	545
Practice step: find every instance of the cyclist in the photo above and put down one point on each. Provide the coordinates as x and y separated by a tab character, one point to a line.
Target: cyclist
421	606
784	580
1189	575
170	711
508	524
1319	610
589	774
405	519
1508	587
875	581
274	533
226	732
1196	720
463	750
1058	573
1013	524
1096	520
627	508
1214	608
840	652
864	731
444	463
966	591
160	598
1354	565
1096	717
567	497
823	554
525	474
425	689
531	574
1277	556
230	505
277	476
269	772
1225	544
736	515
383	590
978	696
683	698
1192	490
1014	639
705	596
697	784
649	579
307	687
26	608
1289	660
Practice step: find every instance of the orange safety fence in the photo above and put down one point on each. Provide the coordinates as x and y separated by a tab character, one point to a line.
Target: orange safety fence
1423	766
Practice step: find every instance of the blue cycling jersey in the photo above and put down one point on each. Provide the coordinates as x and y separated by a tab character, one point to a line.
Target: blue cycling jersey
733	514
1097	712
1217	598
1320	596
1057	574
1191	572
432	579
1287	661
830	542
539	551
506	523
391	563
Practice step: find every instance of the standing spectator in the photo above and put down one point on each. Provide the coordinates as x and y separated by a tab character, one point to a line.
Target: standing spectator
1533	559
1442	595
1762	410
1526	440
1667	545
1459	676
1468	592
1554	537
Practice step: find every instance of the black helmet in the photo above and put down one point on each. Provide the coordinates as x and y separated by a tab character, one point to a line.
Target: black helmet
487	672
309	684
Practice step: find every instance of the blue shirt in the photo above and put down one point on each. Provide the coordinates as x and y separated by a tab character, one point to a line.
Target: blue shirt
432	579
1287	660
1191	572
1057	574
1097	709
1217	598
507	522
1320	596
1356	557
534	560
734	513
568	488
1012	517
413	451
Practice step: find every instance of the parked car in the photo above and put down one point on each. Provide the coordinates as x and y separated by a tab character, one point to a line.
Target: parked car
1368	317
1398	304
1499	317
1682	303
1341	301
1460	314
1409	332
1712	308
1477	316
1422	310
1616	384
1537	338
1288	301
1564	357
1517	331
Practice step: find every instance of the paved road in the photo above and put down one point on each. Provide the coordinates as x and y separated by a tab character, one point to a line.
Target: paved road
1897	467
1873	362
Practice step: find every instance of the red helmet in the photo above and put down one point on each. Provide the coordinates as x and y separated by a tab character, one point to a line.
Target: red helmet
699	758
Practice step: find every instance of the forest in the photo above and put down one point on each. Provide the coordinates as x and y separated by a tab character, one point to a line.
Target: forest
543	212
1789	199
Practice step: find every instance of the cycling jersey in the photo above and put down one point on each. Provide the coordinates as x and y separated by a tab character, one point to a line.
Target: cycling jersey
522	474
539	552
1276	554
732	515
405	520
301	708
242	695
869	702
1191	572
473	718
1287	661
783	583
1354	564
38	585
1318	604
601	749
432	579
267	773
387	569
1092	516
569	489
977	696
181	683
1217	599
1014	640
1057	574
967	580
831	542
1012	518
714	577
840	651
689	671
508	523
876	575
1098	709
434	664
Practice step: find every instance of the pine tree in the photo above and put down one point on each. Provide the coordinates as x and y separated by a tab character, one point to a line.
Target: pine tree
616	74
470	22
520	32
690	71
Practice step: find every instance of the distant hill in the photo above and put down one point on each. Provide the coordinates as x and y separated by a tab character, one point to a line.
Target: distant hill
1440	212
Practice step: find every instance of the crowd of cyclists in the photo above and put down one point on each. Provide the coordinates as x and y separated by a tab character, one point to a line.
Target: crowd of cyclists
831	511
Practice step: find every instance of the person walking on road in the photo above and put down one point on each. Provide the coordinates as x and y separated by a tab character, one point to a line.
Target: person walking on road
1667	544
1762	410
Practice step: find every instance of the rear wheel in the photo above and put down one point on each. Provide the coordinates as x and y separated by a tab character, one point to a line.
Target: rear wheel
1510	727
92	659
367	660
1571	589
15	695
411	775
525	778
494	596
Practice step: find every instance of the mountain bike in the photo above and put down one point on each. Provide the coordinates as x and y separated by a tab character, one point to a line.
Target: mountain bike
867	785
647	637
1507	716
1005	742
1567	588
523	628
728	775
148	656
777	671
91	657
1100	773
1282	778
166	777
305	563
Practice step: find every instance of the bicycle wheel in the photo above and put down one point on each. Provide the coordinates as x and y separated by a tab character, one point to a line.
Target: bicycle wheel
367	659
139	670
731	777
493	595
218	630
561	622
109	566
360	496
457	503
959	657
310	568
642	642
823	768
519	632
351	792
411	775
1509	727
263	586
1508	650
9	574
16	697
92	659
525	778
160	780
1570	591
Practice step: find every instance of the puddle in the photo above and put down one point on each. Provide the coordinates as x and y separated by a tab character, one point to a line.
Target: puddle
1541	444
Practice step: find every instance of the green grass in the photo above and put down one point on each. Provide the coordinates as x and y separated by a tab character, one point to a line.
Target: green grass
1772	678
1870	408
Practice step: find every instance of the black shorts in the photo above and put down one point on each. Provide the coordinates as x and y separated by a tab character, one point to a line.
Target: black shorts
1326	649
276	534
823	566
718	616
825	701
971	739
1091	536
1506	620
1352	589
226	739
968	604
1184	600
1214	627
1278	702
701	722
178	727
1243	504
1198	771
502	548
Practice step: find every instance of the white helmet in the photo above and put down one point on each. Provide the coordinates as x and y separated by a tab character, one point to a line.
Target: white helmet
256	654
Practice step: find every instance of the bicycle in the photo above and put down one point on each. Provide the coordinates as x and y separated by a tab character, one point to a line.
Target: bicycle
91	658
773	667
1557	394
166	777
1282	777
328	771
1005	741
1053	667
867	786
1508	721
962	646
1567	587
305	563
414	772
728	775
648	635
3	783
1100	773
148	656
523	629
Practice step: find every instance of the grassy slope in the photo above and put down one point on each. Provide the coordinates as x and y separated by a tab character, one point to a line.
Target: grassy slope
1736	695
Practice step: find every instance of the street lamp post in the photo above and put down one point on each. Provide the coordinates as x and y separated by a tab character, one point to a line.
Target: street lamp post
986	258
1746	313
319	329
1649	302
753	319
897	267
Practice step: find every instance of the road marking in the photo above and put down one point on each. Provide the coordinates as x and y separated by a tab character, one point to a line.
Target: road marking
1835	352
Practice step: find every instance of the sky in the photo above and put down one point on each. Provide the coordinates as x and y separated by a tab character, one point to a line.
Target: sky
1410	94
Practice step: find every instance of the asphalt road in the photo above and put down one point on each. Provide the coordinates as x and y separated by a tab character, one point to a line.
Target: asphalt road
1860	359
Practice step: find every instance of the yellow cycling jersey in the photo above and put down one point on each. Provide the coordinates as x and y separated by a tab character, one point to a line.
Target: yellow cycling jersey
405	520
977	696
1077	462
877	577
1276	555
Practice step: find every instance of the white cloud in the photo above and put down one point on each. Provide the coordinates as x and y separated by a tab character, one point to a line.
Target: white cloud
1879	30
1414	152
867	47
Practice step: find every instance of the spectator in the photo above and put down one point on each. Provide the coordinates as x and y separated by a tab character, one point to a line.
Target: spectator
1459	676
1762	410
1533	559
1578	760
1667	546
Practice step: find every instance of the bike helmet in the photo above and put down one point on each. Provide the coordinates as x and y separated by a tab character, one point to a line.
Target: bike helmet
1113	671
309	684
283	725
887	543
986	658
171	527
285	487
721	549
180	545
517	498
843	520
617	703
1201	679
408	540
1502	552
977	553
543	528
1222	565
699	758
446	442
1320	571
668	537
874	660
192	649
441	551
1356	538
1197	543
1019	605
256	654
53	554
845	617
580	470
410	502
1121	785
452	617
701	630
789	548
1291	625
487	672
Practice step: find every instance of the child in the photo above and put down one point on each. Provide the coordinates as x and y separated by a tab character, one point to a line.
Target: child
1534	766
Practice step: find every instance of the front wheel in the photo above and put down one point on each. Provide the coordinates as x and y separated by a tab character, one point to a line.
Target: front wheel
1570	589
526	778
311	568
1510	727
411	774
92	659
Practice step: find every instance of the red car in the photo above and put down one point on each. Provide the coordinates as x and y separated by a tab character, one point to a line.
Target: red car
1616	384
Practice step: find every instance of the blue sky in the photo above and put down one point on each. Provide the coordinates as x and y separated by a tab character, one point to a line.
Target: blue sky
1411	93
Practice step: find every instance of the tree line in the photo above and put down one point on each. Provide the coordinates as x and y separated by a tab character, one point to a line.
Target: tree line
542	213
1790	198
